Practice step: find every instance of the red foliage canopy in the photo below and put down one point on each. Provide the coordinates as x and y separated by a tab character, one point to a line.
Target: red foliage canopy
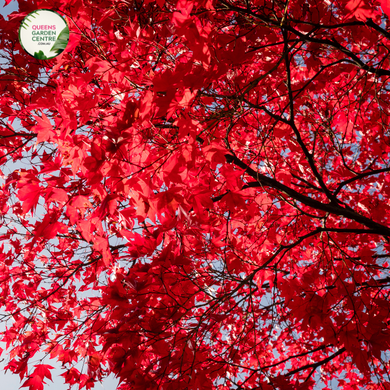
195	195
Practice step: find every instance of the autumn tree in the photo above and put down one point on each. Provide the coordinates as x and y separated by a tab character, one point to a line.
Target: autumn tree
195	195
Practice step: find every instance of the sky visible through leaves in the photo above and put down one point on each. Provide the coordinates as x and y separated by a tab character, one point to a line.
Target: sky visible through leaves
9	381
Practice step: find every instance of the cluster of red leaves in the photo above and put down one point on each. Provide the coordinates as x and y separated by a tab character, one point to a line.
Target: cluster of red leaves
194	195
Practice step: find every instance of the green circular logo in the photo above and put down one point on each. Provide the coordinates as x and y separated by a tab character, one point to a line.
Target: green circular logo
44	34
